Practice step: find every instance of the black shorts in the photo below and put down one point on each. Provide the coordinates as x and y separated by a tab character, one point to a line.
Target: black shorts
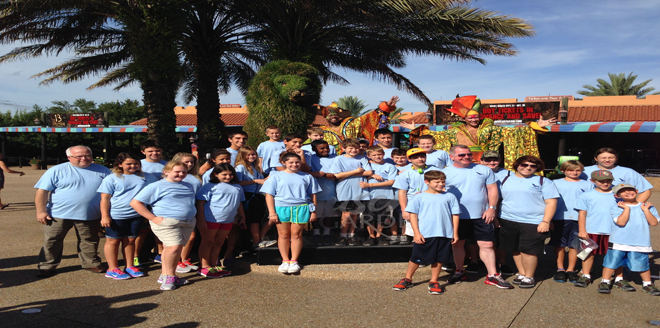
254	207
476	229
379	212
563	233
521	237
434	250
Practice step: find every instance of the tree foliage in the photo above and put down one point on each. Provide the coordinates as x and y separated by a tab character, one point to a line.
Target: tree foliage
619	85
353	104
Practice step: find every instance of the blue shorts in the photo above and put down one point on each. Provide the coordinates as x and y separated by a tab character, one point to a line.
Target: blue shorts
564	232
293	214
635	261
128	228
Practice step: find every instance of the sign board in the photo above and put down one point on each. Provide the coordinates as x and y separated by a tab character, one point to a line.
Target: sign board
547	98
93	120
508	113
230	106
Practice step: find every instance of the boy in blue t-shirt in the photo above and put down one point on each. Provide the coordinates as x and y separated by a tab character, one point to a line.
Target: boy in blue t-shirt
565	220
320	164
266	149
379	212
237	140
437	158
630	239
384	139
434	217
350	170
153	162
315	133
400	159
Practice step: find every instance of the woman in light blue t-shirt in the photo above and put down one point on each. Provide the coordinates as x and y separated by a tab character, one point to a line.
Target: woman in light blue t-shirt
529	202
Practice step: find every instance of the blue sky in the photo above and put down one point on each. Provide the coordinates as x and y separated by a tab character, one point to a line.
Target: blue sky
576	42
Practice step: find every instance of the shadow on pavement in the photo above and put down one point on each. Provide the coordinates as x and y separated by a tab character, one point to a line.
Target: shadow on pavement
19	207
26	260
91	310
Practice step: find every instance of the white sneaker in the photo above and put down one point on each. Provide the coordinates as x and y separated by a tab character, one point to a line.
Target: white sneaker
294	267
284	268
183	268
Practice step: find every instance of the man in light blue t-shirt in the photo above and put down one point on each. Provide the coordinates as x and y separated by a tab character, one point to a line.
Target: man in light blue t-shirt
67	197
606	160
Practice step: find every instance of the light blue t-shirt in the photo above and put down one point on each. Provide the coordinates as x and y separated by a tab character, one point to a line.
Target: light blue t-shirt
412	181
123	188
265	151
291	189
389	173
469	186
233	153
206	177
275	160
193	182
439	159
569	192
388	155
155	169
349	188
328	187
174	200
222	201
73	191
621	175
247	176
308	147
636	231
401	168
597	204
523	199
434	213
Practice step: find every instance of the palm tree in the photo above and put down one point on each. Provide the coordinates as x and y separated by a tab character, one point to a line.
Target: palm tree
619	85
352	104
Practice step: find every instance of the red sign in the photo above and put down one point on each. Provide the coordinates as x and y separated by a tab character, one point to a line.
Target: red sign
76	120
508	113
548	98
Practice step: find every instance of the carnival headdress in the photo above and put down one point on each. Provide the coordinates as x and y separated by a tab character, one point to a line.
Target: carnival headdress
465	106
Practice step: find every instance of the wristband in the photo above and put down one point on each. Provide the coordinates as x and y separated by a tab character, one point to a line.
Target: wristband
545	222
270	216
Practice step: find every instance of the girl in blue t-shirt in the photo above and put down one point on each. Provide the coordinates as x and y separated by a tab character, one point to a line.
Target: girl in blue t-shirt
247	163
291	201
185	264
122	223
217	204
219	156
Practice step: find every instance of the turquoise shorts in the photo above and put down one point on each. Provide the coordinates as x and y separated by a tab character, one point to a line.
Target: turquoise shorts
293	214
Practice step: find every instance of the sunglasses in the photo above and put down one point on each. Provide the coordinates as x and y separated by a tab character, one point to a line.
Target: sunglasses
464	155
491	159
529	165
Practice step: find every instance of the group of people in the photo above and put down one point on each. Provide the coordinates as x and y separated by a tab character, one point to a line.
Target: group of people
452	208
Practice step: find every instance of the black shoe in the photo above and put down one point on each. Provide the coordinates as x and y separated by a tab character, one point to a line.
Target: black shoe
382	241
457	278
472	267
352	241
317	240
625	286
342	241
528	283
369	242
403	284
560	276
604	288
583	282
572	276
518	280
46	273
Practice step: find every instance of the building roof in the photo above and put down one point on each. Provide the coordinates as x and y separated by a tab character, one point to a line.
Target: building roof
230	119
419	118
614	113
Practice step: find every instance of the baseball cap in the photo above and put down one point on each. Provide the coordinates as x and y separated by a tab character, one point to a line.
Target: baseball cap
620	186
602	175
490	153
413	151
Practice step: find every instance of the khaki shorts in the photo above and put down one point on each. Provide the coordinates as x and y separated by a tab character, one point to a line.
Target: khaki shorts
173	232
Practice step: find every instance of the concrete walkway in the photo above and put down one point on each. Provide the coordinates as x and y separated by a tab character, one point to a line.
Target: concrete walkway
321	296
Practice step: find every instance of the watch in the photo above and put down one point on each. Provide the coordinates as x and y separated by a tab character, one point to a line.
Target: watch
493	207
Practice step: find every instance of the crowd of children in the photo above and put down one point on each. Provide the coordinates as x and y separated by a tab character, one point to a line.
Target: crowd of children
382	196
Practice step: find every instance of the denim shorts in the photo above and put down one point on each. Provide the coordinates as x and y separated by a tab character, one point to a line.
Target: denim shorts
128	228
635	261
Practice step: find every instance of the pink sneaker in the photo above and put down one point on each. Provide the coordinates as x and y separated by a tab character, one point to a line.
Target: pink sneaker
223	273
210	272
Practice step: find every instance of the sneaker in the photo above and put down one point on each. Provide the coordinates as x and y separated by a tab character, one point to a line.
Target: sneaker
369	242
190	265
317	240
209	272
435	289
342	241
394	240
117	274
294	267
353	241
449	267
267	243
560	276
505	270
403	240
136	262
182	268
457	278
383	241
161	278
222	271
472	267
625	286
498	281
583	282
651	289
327	240
528	282
284	267
158	259
604	288
134	272
518	279
180	281
572	276
168	283
403	284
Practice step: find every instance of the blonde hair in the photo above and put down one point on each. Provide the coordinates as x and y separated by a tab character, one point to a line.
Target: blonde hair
241	159
170	166
194	171
571	165
375	149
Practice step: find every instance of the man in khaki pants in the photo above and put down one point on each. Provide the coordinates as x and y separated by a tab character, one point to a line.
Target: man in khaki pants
66	197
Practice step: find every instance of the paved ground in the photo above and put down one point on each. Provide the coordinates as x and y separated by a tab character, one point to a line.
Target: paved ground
322	296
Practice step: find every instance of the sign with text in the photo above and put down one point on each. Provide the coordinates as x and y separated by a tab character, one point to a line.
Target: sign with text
93	120
547	98
509	113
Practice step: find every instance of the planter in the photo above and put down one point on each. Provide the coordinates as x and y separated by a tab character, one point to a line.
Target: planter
35	166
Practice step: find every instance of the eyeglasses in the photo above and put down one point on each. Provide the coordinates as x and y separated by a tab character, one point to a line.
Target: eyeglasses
491	159
81	156
533	166
464	155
